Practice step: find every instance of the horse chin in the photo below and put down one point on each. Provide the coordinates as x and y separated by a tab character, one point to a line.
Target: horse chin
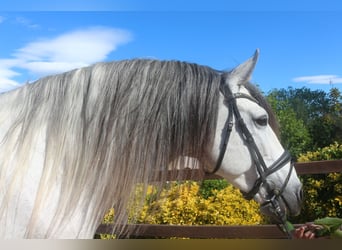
268	210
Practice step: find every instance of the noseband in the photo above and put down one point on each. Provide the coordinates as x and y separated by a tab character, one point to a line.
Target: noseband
274	194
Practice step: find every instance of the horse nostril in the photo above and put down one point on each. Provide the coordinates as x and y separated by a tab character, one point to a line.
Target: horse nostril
301	195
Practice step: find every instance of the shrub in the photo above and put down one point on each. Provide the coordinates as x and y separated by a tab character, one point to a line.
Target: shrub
331	152
194	203
323	192
190	204
209	186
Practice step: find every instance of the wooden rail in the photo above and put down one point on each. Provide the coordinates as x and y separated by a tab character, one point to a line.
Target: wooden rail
314	167
213	231
199	232
319	167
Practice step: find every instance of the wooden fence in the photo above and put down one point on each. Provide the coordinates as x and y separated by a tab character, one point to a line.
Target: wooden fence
213	231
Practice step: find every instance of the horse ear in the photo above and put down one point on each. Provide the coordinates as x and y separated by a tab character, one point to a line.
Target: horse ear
242	73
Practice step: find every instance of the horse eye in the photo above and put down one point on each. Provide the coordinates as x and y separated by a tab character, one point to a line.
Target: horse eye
262	121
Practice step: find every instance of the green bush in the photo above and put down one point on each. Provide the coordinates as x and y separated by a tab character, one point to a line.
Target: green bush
194	203
208	187
331	152
322	192
215	202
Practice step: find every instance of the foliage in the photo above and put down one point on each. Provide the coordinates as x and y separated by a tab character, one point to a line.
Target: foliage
311	121
293	133
330	226
323	193
208	187
331	152
108	219
180	204
336	112
324	227
189	203
308	119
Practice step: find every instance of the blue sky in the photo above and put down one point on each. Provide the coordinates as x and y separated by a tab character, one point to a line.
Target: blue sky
300	44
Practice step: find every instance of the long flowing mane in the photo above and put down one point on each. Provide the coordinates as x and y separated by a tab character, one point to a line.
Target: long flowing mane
102	130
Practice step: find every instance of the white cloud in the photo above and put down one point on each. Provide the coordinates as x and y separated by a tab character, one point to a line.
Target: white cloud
6	73
62	53
88	45
41	68
26	22
7	84
319	79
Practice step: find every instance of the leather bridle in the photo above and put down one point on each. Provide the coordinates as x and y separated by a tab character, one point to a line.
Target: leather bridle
263	171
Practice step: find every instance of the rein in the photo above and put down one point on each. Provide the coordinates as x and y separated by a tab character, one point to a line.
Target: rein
273	194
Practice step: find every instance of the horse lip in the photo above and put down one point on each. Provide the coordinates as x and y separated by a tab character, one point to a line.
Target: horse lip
269	210
266	210
288	205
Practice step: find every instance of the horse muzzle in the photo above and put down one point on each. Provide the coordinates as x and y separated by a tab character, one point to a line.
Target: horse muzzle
279	206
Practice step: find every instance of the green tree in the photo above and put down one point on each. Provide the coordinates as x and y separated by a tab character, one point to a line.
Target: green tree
317	112
293	133
336	112
307	104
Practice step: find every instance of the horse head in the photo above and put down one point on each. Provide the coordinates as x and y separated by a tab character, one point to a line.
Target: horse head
246	149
